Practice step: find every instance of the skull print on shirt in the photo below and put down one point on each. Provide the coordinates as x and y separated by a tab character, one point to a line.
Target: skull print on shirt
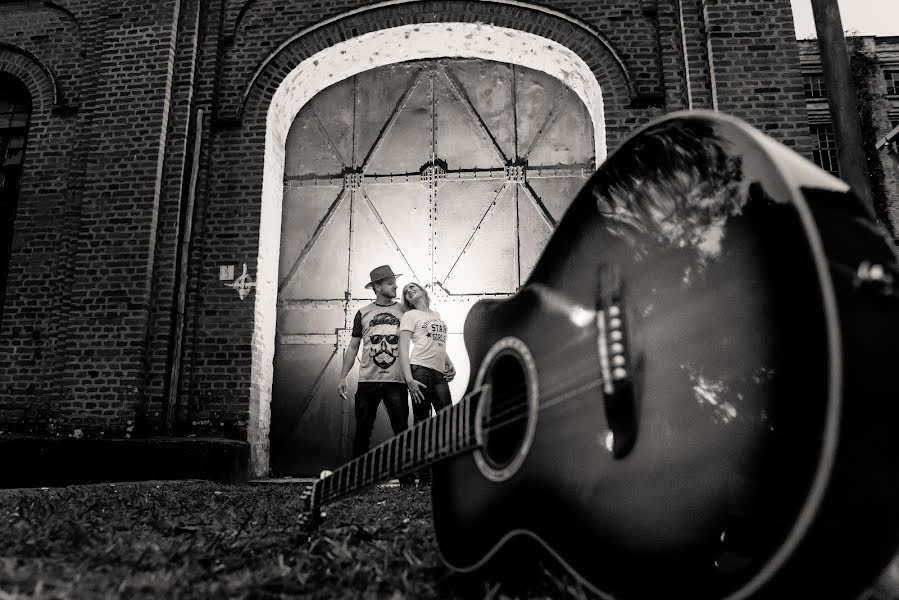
384	339
378	327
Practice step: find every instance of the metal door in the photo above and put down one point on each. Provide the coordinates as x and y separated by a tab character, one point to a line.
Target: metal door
452	171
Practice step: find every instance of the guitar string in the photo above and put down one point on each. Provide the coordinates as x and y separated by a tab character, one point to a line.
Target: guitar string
514	402
410	466
509	410
414	465
515	411
512	409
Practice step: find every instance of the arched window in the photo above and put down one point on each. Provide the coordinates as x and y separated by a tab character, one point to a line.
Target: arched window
15	109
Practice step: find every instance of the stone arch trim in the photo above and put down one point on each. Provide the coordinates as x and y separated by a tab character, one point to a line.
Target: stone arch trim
235	11
35	74
600	55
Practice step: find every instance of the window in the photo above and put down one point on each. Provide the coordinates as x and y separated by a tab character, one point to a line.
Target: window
892	79
15	110
814	85
825	152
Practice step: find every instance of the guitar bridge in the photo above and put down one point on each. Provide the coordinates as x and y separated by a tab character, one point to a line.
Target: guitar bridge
615	364
612	358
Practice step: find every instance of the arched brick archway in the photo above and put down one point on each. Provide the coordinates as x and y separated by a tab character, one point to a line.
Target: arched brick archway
281	90
39	84
248	85
37	77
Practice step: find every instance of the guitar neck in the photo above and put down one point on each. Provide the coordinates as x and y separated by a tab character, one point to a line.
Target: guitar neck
449	433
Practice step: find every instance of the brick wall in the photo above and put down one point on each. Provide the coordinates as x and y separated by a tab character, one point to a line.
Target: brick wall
44	47
90	261
117	237
89	320
176	183
755	65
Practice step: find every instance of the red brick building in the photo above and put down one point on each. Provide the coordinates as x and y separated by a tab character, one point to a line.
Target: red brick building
194	190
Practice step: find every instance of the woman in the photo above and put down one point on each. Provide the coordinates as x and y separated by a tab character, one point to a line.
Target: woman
427	369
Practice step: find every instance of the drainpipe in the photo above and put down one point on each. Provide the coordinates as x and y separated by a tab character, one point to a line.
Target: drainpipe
683	42
890	143
841	98
184	256
708	46
185	224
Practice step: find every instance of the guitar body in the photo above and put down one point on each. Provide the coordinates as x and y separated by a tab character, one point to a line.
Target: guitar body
693	392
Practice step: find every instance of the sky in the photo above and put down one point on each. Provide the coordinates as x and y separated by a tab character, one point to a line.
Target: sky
867	17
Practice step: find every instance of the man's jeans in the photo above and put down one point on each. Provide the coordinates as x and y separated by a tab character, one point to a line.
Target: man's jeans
368	396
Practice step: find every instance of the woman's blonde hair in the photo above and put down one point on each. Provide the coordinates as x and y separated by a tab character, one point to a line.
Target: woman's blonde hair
406	304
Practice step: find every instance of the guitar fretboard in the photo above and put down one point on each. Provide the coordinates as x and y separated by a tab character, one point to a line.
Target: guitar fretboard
449	433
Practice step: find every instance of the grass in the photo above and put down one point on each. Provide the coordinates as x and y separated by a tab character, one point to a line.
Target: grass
186	540
197	539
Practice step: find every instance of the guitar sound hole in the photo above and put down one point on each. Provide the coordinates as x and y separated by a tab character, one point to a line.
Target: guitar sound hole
505	422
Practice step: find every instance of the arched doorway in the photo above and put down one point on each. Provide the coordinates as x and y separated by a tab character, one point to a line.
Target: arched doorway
15	111
454	171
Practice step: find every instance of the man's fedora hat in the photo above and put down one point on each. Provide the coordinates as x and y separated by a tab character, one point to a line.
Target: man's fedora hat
379	273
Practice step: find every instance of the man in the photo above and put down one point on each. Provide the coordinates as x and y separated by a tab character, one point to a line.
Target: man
376	328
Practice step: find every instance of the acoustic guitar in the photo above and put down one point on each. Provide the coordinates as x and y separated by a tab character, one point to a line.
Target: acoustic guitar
693	395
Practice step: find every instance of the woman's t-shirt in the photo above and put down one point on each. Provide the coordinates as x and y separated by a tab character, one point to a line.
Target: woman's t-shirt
428	338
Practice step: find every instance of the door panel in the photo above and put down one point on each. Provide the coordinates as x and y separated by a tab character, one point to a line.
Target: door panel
309	317
406	142
564	139
322	273
377	94
487	265
297	401
535	96
452	171
554	192
488	85
303	212
463	140
373	245
404	210
318	156
531	226
462	207
335	111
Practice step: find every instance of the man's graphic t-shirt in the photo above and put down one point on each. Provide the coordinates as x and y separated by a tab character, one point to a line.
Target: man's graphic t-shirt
428	338
378	326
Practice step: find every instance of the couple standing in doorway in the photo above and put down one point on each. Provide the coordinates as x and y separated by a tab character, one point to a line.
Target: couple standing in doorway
403	354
